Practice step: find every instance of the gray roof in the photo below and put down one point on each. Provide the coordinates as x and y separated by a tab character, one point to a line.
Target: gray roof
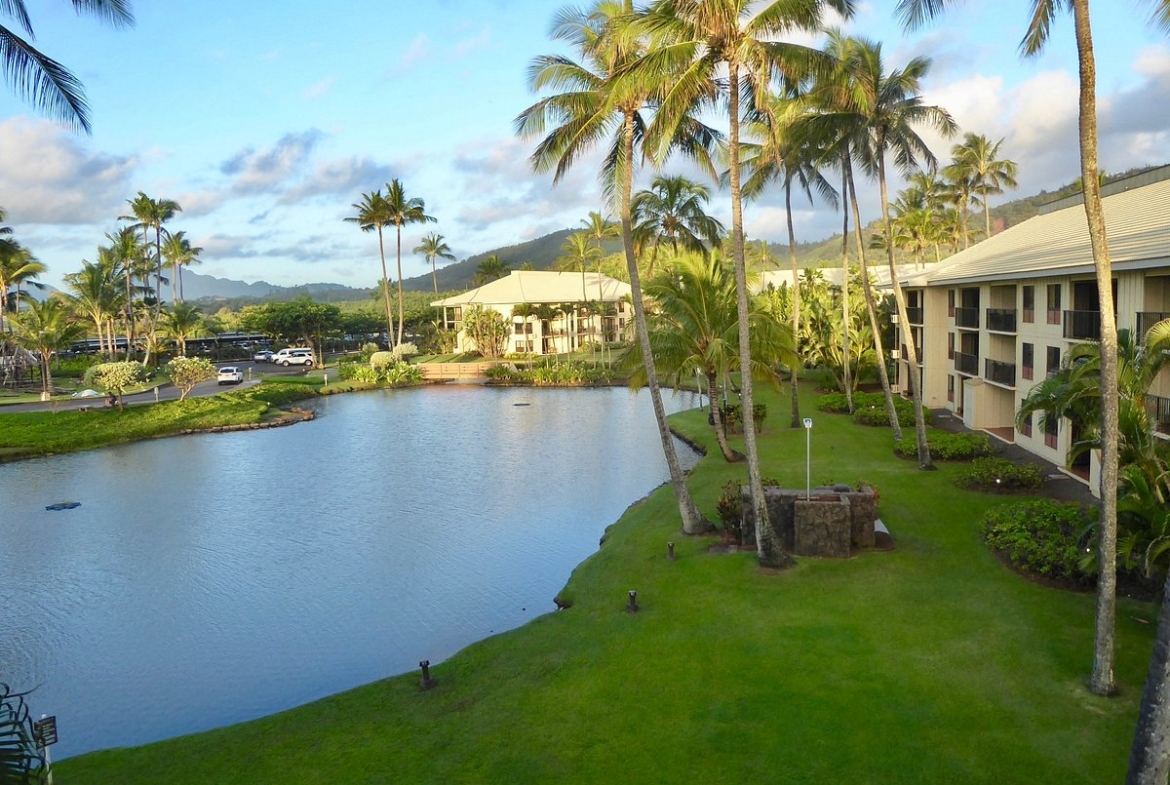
1137	222
540	286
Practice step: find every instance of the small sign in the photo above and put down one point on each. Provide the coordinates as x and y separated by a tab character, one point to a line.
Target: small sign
45	731
808	422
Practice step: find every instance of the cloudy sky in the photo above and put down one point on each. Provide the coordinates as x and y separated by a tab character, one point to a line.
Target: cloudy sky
266	122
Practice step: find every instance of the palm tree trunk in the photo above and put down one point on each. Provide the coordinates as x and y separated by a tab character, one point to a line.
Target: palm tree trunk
1149	758
386	291
848	384
434	276
924	461
871	308
795	422
718	423
179	270
768	546
692	521
1101	682
401	301
986	216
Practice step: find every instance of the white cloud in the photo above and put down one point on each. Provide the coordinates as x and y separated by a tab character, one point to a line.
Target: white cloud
318	89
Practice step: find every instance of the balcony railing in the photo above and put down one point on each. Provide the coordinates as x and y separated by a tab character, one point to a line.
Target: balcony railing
967	317
1147	319
1082	325
917	353
914	315
1158	409
1001	320
967	363
1000	372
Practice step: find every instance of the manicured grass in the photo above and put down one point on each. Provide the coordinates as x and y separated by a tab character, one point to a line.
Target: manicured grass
928	664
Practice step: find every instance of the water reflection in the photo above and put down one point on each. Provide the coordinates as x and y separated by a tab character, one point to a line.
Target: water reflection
211	579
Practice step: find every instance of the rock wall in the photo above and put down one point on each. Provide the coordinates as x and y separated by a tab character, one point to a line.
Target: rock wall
834	523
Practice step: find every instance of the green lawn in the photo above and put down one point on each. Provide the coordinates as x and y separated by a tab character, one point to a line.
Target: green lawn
929	664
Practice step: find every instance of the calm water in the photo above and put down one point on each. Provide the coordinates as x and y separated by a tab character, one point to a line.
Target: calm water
210	579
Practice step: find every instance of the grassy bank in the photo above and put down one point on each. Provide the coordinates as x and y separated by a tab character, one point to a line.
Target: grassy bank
29	434
928	664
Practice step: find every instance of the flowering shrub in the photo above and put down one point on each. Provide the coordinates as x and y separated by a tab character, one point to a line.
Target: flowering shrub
403	351
382	360
186	372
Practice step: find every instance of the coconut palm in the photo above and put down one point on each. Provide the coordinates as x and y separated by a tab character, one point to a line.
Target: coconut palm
17	266
402	211
493	268
373	214
977	160
125	256
44	328
578	253
959	190
601	101
673	210
93	292
1150	758
433	247
182	322
43	81
178	253
695	328
152	214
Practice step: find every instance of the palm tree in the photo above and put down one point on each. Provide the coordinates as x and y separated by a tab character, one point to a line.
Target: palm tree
93	292
491	269
673	210
959	190
181	323
603	100
1148	760
783	154
17	266
45	328
977	160
152	214
712	49
695	328
38	78
889	105
179	253
577	253
373	214
125	255
403	211
433	247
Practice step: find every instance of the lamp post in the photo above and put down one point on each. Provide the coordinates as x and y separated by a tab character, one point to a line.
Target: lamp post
807	458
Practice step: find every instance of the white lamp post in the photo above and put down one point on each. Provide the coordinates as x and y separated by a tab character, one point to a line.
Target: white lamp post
807	458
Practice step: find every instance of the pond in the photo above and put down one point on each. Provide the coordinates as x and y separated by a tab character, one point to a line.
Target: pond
210	579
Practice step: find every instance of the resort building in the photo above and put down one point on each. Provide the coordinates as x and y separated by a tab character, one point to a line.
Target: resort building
550	312
991	322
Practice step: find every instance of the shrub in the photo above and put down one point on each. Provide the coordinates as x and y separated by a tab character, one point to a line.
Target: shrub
733	417
948	446
403	351
1042	537
116	378
999	475
74	366
368	350
357	372
382	360
401	375
730	508
186	372
834	403
870	409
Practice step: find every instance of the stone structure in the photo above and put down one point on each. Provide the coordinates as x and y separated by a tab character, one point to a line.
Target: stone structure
832	522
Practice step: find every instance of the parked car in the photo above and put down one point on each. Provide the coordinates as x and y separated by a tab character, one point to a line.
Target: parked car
262	356
287	357
230	374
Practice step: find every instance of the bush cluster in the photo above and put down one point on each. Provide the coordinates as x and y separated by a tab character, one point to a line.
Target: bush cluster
733	417
999	475
393	375
869	408
730	508
948	446
1043	537
551	374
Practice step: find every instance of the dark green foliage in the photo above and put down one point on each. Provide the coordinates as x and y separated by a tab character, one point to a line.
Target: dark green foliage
834	403
730	507
1042	537
999	475
733	417
546	374
74	366
281	392
870	409
948	446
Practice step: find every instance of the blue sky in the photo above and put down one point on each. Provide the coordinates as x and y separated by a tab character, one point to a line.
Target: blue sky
266	122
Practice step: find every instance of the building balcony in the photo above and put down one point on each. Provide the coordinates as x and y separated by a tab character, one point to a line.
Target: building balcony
906	354
1001	320
914	315
967	318
1000	372
1147	319
1158	409
1082	325
967	363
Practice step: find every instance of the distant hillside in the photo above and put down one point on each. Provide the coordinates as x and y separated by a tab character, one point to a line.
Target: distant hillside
210	288
542	253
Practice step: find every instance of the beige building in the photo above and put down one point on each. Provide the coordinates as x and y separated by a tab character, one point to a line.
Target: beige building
991	322
550	312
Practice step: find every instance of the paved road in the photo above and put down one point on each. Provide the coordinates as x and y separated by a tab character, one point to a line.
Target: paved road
253	372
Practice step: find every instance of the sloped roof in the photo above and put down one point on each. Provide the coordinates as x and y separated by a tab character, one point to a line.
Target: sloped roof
879	273
540	286
1137	220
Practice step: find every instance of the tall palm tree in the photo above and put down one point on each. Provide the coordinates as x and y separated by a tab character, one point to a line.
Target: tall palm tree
182	322
726	48
402	211
46	327
493	268
959	190
152	214
1148	757
373	214
600	101
890	106
674	210
124	254
577	253
785	155
43	81
433	247
976	159
17	266
179	253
